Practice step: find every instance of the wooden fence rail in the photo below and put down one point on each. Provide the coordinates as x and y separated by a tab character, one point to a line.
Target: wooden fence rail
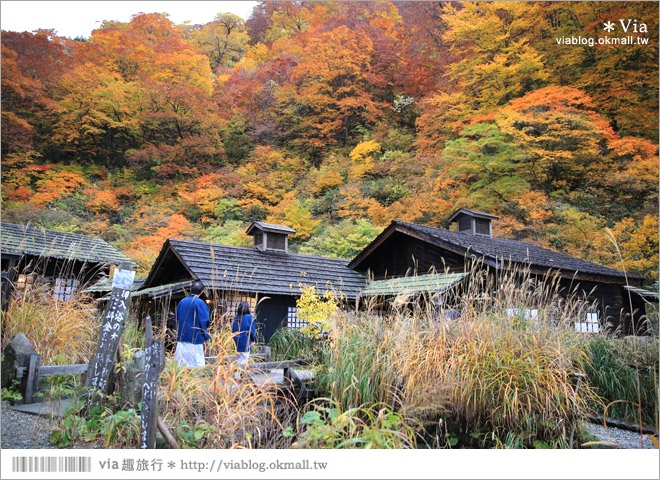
34	371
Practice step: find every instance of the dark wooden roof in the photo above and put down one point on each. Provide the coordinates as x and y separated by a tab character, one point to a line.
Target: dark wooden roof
105	286
245	269
269	227
495	251
25	240
472	213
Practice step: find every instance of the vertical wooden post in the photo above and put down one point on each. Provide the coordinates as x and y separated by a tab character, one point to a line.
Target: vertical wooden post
8	279
112	329
33	377
152	367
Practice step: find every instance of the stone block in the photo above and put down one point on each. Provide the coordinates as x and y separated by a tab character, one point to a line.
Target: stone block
16	354
133	379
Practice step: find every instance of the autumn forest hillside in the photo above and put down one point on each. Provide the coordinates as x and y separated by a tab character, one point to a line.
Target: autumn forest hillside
335	118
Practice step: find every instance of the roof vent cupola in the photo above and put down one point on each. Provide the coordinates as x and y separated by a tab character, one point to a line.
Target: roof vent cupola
473	222
270	237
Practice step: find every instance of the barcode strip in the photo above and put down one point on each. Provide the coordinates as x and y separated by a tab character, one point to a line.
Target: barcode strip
51	464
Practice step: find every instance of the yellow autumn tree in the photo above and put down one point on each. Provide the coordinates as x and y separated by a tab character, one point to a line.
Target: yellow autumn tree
363	161
293	213
202	196
638	244
316	309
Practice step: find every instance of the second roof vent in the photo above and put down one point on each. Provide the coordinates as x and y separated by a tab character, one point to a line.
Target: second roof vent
473	222
270	237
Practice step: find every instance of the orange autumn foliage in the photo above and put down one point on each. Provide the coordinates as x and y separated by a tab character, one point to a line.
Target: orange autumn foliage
56	186
145	249
102	201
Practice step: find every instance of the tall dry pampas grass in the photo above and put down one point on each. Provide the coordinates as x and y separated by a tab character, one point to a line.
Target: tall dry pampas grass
208	407
60	331
503	367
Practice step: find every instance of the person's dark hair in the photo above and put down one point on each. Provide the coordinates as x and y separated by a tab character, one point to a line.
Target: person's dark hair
197	287
243	308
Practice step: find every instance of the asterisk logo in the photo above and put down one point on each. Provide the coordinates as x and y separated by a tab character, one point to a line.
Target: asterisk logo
608	26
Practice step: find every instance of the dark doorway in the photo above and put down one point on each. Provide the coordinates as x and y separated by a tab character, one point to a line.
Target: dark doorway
272	313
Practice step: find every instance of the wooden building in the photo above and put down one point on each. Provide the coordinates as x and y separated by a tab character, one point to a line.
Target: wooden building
266	275
406	252
405	257
61	262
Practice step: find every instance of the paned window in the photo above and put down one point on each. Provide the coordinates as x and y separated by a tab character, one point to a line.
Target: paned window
292	320
65	288
528	313
590	325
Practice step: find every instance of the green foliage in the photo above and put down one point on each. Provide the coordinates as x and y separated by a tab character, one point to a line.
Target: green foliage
486	159
122	428
326	425
132	342
63	385
288	344
237	141
624	374
388	191
72	427
79	423
231	232
192	437
228	209
357	366
12	392
344	240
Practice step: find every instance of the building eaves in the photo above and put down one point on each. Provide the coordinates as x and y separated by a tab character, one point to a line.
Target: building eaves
504	251
247	269
40	242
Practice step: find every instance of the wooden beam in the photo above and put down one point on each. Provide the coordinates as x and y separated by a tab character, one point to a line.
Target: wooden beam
612	422
33	377
169	438
49	370
152	367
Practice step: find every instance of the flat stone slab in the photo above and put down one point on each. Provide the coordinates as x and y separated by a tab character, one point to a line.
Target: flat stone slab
266	379
305	374
47	408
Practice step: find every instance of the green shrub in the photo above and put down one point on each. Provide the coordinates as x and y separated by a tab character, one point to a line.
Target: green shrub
625	376
356	368
289	344
118	428
326	425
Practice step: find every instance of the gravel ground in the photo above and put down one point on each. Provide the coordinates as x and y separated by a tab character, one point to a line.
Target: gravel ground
22	430
622	438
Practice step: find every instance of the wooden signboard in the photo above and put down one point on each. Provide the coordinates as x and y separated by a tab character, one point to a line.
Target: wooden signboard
100	366
153	365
